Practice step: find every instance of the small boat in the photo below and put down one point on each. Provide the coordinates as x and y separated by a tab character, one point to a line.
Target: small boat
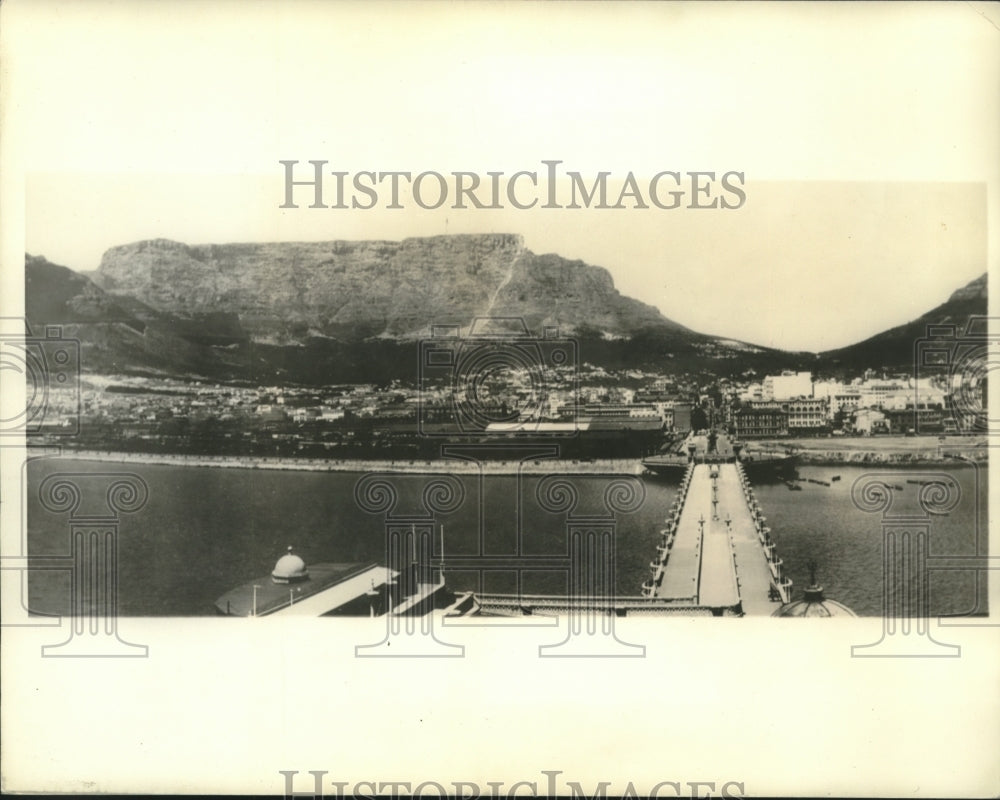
835	478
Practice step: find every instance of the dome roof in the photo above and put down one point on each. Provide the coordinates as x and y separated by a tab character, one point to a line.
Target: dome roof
813	604
289	569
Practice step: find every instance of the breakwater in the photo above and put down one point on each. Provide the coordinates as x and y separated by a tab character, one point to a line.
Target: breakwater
913	459
415	466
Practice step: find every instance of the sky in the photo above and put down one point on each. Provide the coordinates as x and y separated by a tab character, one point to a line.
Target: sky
801	266
867	168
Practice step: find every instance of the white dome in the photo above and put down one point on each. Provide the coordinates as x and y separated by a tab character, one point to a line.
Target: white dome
290	568
814	604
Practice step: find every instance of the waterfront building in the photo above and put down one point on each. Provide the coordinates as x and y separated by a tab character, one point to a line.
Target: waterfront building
663	401
761	420
921	418
827	388
807	415
621	410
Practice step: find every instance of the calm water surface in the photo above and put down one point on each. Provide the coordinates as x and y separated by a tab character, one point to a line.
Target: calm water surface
205	531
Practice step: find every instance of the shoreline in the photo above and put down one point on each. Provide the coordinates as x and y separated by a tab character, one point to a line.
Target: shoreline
402	467
860	458
892	450
819	457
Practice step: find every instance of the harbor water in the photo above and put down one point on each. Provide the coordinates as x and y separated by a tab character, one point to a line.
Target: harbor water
204	531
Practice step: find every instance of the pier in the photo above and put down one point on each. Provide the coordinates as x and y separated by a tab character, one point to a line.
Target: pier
715	555
716	550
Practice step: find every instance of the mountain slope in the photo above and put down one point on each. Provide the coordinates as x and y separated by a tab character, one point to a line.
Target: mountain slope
287	292
116	334
894	348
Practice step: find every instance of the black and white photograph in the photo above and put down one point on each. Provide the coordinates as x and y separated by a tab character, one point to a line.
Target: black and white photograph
463	399
455	423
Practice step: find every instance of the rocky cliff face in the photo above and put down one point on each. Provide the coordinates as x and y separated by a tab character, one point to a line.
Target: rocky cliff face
287	292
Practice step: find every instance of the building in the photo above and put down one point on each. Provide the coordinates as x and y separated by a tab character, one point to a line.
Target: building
814	604
920	419
870	420
807	415
885	394
757	421
787	385
682	417
662	400
621	411
846	401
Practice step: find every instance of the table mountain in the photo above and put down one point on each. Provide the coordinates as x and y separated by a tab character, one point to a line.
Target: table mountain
351	312
283	293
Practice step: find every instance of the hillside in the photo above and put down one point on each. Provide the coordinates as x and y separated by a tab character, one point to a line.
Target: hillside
116	334
349	312
284	293
894	348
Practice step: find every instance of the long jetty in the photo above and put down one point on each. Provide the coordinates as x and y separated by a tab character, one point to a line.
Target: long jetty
716	550
715	556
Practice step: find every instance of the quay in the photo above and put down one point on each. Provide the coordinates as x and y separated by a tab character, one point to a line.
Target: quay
716	551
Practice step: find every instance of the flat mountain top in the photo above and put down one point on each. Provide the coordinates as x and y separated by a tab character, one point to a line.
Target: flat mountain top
286	292
352	311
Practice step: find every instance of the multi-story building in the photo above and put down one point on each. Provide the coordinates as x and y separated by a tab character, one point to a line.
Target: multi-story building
787	385
681	420
621	410
761	420
885	394
807	415
921	418
846	401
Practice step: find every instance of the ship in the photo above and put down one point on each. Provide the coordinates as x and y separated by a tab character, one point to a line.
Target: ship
712	447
